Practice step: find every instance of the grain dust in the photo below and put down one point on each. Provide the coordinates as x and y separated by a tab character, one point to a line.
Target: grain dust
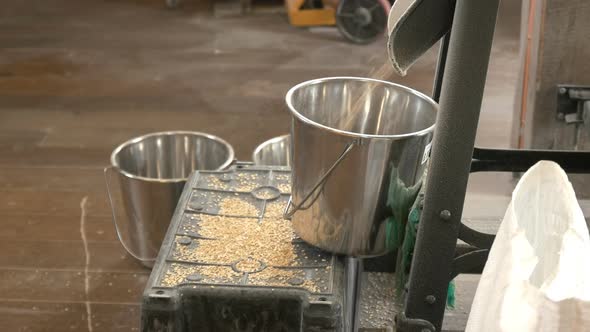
234	239
284	188
239	237
249	265
265	193
177	274
215	183
247	181
363	98
233	206
280	278
274	210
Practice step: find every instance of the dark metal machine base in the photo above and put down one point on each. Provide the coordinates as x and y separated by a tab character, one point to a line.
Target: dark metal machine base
197	285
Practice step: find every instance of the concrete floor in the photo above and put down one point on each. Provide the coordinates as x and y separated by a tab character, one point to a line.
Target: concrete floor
79	77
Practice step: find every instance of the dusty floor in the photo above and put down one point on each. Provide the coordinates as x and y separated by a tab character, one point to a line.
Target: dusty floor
79	77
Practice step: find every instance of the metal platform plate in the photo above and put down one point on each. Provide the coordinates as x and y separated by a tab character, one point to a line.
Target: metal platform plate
230	262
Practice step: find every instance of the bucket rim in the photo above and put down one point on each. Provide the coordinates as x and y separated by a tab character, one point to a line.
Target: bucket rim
289	97
266	143
229	160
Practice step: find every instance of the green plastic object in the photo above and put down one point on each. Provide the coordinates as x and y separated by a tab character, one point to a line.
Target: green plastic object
399	199
402	228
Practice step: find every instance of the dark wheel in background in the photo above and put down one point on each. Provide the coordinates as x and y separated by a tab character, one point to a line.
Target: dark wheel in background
362	21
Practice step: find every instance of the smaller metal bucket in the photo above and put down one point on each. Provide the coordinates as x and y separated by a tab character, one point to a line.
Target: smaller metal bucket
274	152
151	172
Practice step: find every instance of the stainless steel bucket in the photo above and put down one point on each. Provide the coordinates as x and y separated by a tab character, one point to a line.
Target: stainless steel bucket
359	151
150	172
274	152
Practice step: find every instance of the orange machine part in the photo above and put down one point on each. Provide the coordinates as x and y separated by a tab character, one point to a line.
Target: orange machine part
309	17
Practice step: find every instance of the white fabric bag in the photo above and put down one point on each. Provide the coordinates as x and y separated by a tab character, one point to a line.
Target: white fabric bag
537	277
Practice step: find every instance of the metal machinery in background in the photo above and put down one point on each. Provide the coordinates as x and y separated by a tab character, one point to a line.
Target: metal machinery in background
552	106
359	21
459	85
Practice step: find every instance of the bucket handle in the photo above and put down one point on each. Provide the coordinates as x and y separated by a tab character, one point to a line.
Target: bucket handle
107	175
288	213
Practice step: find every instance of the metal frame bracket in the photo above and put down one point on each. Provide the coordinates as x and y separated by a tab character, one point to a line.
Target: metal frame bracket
573	103
405	324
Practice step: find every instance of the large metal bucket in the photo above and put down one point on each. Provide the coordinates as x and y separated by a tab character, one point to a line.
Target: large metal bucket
274	152
151	171
359	151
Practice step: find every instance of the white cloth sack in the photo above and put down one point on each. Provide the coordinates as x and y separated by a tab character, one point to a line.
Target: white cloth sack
537	277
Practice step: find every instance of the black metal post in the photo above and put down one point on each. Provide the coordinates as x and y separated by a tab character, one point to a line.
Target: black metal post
353	267
460	103
440	67
496	160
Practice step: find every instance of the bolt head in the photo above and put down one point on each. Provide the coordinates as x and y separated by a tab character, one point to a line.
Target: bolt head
295	281
194	277
197	207
226	177
430	299
445	215
185	241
